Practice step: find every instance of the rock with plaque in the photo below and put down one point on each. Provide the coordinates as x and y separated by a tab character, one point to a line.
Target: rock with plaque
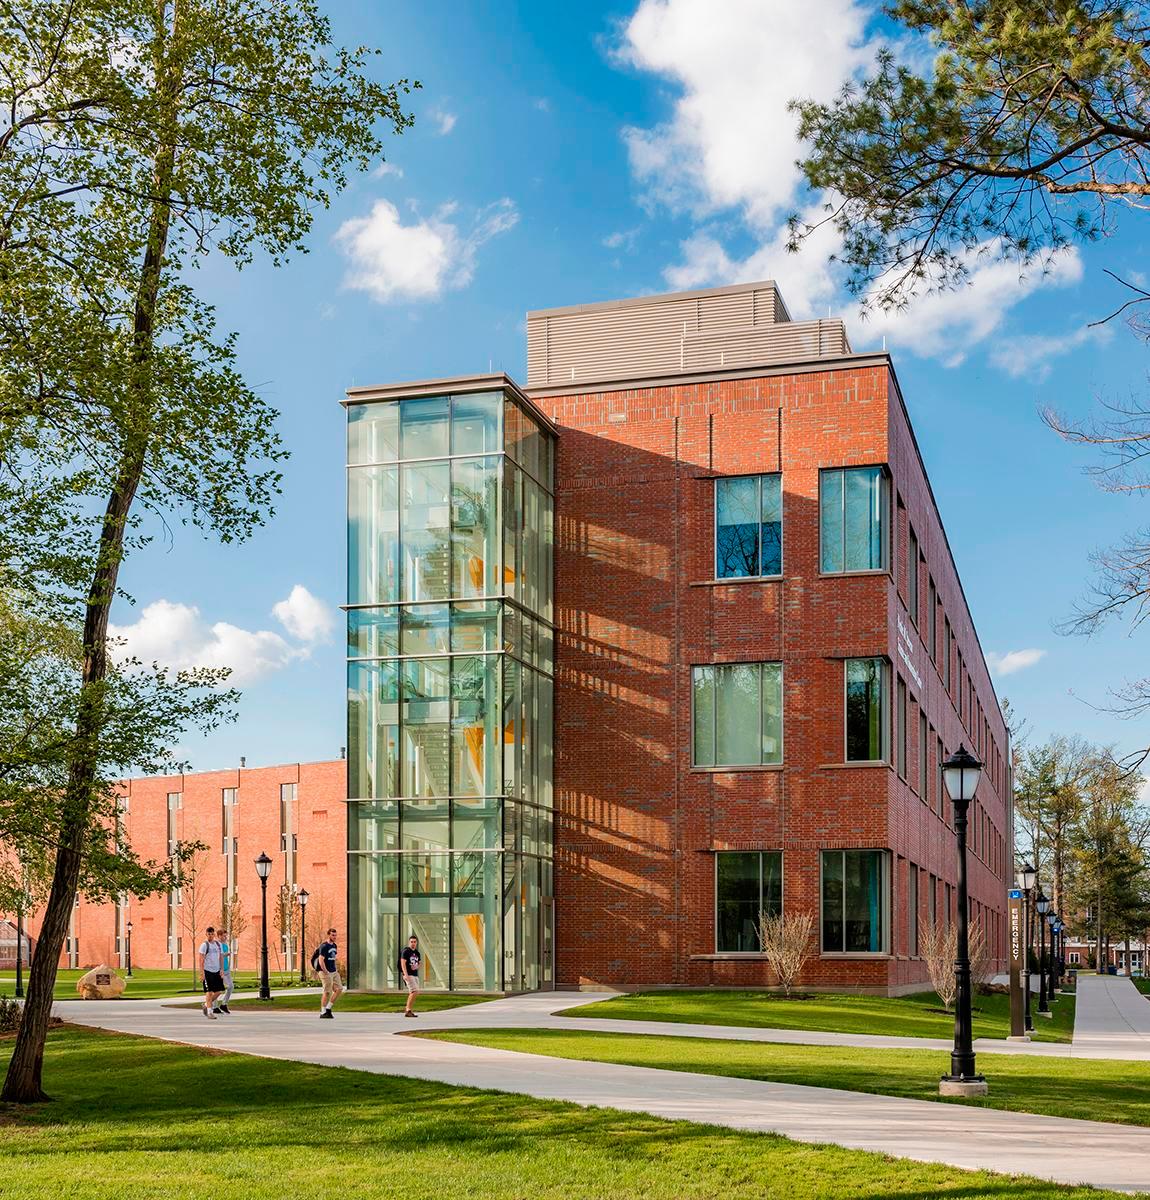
100	983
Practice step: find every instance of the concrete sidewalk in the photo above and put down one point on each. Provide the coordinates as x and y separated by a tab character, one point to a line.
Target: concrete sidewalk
1111	1019
1064	1151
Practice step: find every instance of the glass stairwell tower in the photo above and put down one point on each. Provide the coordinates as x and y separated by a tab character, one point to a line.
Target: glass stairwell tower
450	648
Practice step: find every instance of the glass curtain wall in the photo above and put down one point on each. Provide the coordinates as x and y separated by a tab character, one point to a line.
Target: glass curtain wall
450	691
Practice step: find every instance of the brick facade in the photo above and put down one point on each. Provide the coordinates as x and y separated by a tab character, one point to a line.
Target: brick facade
317	823
637	606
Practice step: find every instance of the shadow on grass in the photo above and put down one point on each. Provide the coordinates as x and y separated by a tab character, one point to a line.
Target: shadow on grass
119	1098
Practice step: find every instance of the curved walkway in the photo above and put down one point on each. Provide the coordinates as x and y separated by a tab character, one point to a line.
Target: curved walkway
1111	1019
1064	1151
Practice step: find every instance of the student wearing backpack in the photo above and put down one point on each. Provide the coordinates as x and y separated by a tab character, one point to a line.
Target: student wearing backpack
221	1005
211	962
325	962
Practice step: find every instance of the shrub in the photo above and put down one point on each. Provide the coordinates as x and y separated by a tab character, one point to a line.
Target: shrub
786	942
10	1013
940	947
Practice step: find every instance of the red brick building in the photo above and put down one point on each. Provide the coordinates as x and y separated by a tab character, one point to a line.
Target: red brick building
294	812
685	803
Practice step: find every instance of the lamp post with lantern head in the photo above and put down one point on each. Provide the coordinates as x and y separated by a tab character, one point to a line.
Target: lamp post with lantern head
303	899
1042	904
263	870
961	773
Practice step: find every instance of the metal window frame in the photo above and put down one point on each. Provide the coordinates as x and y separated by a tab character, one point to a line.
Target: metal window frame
884	708
760	663
715	892
782	525
885	874
885	500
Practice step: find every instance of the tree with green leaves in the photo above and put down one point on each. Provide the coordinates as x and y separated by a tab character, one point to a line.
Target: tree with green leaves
138	137
1028	131
1109	851
1050	782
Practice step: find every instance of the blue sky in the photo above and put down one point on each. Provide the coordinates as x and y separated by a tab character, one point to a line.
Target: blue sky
571	153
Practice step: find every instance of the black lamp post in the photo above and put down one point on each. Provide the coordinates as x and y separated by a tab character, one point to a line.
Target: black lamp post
128	927
20	950
1025	878
1042	904
263	870
961	772
1052	921
303	935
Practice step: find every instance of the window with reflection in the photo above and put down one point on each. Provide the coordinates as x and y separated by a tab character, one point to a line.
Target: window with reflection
854	518
748	526
855	908
737	714
867	705
748	885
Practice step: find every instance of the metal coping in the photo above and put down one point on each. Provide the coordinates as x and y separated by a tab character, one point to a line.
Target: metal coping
663	298
452	384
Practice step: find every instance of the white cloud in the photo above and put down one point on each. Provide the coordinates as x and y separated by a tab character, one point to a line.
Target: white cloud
728	152
730	142
1013	660
444	120
946	325
542	104
621	239
806	279
1031	354
177	636
305	616
420	261
385	168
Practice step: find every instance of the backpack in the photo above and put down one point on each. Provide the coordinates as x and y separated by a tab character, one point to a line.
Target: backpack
315	959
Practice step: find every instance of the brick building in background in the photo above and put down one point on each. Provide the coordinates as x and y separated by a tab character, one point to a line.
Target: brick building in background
294	812
762	654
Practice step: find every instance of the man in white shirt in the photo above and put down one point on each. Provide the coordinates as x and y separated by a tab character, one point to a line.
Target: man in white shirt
211	966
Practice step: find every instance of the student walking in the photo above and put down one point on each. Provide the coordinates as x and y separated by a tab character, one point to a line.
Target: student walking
409	968
325	961
225	973
211	967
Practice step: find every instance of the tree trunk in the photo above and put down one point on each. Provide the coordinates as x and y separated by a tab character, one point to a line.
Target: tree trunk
23	1082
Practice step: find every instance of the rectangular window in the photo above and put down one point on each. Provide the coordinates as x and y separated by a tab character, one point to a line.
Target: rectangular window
912	910
946	644
748	526
867	706
939	785
900	731
932	617
932	901
737	714
912	576
854	901
747	884
923	744
854	508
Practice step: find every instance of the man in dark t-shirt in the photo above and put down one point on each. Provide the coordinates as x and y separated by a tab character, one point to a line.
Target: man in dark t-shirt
409	970
326	962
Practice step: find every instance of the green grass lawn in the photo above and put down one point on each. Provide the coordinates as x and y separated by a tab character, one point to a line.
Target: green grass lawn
1143	985
149	984
148	1120
377	1002
919	1015
1084	1088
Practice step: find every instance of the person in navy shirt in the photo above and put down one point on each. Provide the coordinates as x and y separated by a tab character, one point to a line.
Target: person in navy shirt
409	969
326	962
